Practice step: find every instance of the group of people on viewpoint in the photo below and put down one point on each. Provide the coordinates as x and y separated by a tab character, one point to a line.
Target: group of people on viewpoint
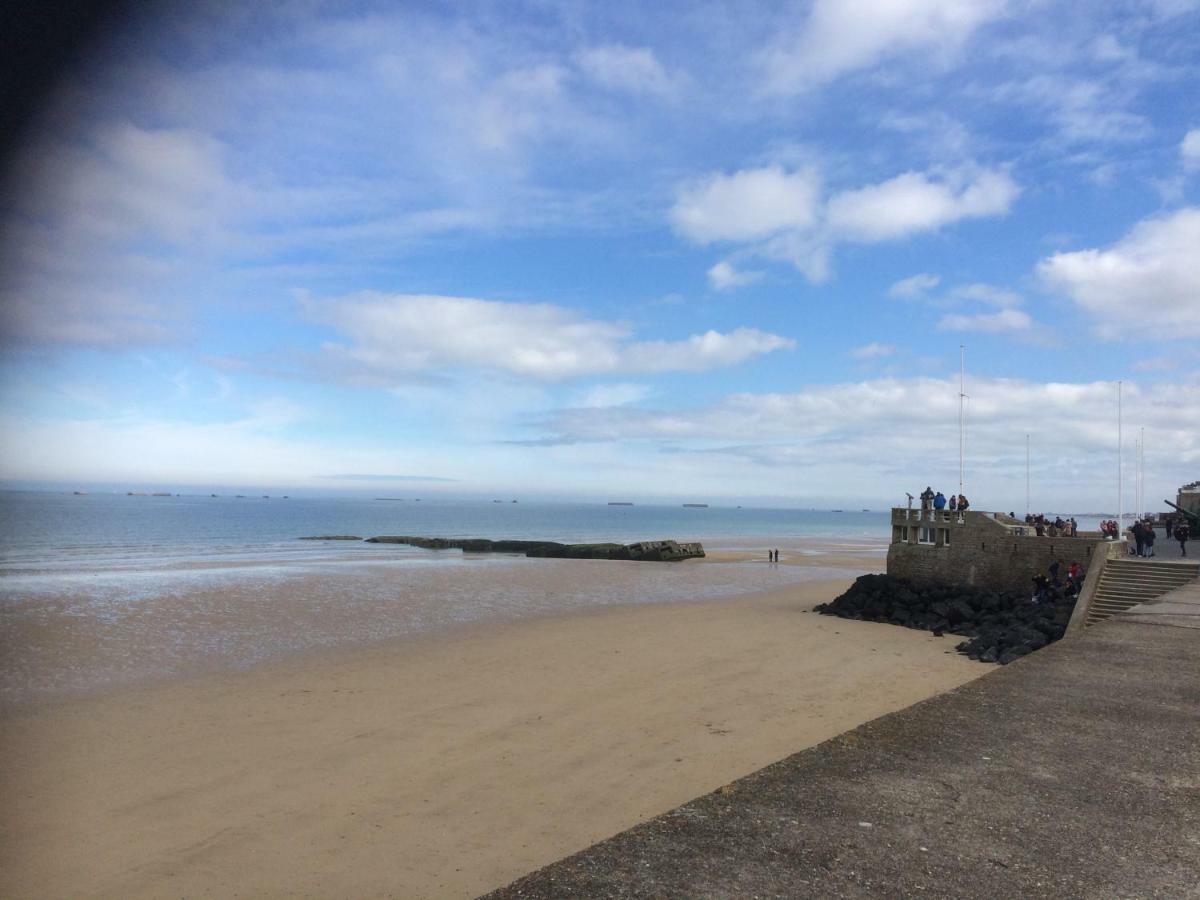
1141	531
1043	527
931	499
1144	536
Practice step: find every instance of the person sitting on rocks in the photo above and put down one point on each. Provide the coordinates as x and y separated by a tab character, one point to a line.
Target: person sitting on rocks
1074	572
1040	588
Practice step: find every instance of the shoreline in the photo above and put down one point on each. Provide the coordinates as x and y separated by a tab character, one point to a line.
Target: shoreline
126	633
438	765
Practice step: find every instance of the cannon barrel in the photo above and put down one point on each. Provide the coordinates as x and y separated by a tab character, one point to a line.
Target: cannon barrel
1192	517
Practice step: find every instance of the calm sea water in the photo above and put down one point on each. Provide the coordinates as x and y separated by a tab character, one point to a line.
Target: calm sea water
41	531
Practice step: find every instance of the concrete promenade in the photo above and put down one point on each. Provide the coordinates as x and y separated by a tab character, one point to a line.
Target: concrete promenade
1074	772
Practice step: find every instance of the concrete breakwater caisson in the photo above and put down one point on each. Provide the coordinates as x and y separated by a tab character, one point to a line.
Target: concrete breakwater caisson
643	551
1000	626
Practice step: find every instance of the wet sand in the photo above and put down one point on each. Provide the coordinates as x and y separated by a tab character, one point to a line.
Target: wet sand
435	766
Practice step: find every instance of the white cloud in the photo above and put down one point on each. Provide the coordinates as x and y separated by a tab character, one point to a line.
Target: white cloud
912	202
635	70
914	286
913	415
748	205
1004	320
100	225
841	36
605	395
1147	283
781	215
724	277
989	294
1082	109
391	335
874	350
1189	150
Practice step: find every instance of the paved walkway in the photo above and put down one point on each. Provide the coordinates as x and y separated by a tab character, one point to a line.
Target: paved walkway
1167	550
1074	772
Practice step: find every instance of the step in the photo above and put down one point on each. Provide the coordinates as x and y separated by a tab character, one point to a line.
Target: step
1157	574
1128	592
1149	565
1148	582
1141	571
1137	586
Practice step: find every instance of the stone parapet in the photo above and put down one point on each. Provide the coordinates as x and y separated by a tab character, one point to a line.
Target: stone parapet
979	548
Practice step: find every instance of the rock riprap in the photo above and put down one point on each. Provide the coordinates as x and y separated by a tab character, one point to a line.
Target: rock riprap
1000	626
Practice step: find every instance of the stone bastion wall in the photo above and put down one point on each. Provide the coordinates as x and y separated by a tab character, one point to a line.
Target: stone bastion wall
982	549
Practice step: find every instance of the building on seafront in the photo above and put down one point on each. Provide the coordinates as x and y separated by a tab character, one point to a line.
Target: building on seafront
1188	497
982	549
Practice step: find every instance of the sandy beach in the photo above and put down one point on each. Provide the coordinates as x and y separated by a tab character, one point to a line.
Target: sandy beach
439	766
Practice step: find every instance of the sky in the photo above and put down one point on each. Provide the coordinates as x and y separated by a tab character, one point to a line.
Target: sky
711	251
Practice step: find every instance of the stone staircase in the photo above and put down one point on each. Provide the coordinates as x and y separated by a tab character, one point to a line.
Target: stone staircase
1128	582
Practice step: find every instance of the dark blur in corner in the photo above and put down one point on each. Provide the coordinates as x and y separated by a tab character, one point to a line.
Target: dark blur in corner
41	41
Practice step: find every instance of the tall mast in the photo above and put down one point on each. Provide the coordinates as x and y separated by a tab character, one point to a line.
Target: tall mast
1120	493
1027	473
962	366
1136	484
1142	472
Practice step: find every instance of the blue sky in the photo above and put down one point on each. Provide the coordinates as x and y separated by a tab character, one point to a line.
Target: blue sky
725	251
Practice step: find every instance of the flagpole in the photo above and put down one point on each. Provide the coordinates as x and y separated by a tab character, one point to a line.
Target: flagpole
1142	473
962	364
1027	474
1120	493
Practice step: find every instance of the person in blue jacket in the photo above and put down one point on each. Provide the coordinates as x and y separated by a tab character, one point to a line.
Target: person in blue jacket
939	500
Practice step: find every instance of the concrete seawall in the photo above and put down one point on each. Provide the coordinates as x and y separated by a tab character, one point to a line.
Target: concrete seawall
1074	772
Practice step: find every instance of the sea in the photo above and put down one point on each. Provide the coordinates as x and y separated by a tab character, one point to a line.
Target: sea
100	589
